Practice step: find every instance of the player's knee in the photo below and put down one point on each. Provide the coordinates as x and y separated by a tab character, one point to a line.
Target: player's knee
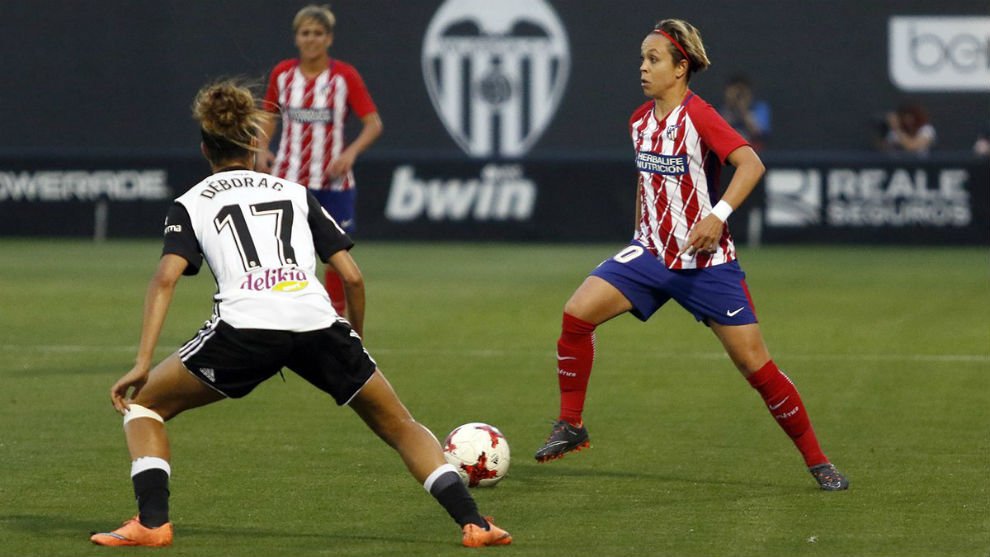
388	423
572	324
750	362
137	411
573	307
397	431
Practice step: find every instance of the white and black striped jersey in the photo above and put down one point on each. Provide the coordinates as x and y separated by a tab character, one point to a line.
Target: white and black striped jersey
261	236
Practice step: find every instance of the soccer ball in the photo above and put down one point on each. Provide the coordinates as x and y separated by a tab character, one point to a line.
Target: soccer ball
479	452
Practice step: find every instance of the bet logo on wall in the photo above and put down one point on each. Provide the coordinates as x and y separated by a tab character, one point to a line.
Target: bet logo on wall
939	53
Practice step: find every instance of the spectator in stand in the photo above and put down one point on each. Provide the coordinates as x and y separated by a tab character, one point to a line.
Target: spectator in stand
749	117
981	147
909	131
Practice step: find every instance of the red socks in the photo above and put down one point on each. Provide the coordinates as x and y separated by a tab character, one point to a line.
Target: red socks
335	288
785	405
575	355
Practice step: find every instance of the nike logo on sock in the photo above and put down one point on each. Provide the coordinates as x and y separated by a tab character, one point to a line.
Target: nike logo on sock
781	403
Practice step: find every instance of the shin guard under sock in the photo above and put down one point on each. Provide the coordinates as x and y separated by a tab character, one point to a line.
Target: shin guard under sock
445	485
575	356
784	403
150	478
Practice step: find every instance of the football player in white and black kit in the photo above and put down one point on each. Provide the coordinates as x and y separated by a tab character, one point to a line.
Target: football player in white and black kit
261	236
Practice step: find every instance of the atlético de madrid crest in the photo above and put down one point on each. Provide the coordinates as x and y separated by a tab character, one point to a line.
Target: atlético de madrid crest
496	72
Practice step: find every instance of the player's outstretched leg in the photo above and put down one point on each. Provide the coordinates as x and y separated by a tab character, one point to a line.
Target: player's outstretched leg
145	431
786	406
575	357
380	408
169	390
593	303
745	346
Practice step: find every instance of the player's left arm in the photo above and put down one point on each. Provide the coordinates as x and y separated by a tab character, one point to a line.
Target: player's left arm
332	246
360	102
706	234
353	281
371	130
732	148
749	170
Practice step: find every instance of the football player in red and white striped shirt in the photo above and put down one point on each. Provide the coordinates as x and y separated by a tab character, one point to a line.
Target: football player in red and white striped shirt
314	94
681	248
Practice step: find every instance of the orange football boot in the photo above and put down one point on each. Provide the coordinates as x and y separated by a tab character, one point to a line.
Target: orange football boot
476	536
135	533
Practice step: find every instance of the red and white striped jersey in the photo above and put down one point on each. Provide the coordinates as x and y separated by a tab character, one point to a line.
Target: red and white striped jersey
313	115
679	160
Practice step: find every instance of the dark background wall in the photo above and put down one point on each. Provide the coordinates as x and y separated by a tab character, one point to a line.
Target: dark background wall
118	76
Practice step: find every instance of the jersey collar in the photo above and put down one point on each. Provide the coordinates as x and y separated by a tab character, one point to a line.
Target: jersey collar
232	168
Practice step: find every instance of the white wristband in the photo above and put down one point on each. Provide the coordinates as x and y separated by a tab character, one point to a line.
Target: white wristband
722	210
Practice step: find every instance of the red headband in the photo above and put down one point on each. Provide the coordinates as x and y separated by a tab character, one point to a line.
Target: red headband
677	44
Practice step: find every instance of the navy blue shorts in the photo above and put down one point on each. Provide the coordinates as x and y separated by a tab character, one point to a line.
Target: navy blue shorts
340	205
716	293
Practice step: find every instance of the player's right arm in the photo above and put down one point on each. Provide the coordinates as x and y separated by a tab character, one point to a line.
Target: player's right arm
156	303
265	158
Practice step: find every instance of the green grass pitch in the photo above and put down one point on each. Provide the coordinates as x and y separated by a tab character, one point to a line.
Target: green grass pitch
890	348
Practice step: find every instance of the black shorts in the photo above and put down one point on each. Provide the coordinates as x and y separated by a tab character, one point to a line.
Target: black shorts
235	361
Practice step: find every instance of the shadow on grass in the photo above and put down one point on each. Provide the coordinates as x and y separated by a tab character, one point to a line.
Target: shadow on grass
534	473
54	525
194	530
58	526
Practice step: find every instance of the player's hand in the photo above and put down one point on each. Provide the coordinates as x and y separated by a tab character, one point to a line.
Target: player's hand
704	236
341	165
264	161
135	378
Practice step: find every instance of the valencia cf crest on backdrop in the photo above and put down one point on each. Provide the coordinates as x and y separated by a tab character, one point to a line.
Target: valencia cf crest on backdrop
496	72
